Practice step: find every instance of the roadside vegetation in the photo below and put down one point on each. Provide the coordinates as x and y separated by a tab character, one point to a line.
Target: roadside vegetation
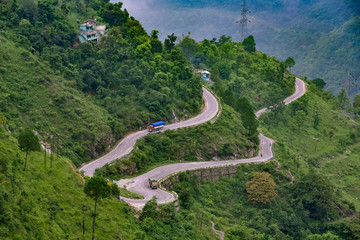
239	70
314	169
226	138
88	95
242	78
50	203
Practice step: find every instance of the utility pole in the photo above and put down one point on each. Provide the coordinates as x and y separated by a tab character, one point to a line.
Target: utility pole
348	83
243	21
57	147
45	154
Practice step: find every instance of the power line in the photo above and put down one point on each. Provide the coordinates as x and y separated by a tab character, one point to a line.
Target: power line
243	21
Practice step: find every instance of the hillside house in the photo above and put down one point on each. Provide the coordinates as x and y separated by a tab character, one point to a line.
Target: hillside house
205	75
89	31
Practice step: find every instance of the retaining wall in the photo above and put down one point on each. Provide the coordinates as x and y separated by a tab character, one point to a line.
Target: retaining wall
204	174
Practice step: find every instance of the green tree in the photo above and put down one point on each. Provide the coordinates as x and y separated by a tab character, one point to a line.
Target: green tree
325	236
320	83
28	142
224	39
185	198
316	120
261	189
289	63
343	101
352	227
46	11
240	232
154	34
249	44
229	97
316	193
189	48
300	117
156	45
114	189
244	107
150	210
96	188
356	104
2	120
170	42
112	14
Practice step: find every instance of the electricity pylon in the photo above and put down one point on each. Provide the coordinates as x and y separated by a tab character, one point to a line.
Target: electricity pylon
243	21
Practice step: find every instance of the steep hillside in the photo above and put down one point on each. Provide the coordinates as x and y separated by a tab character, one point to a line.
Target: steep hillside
237	74
239	70
315	171
335	55
50	203
88	95
227	138
322	36
318	137
34	95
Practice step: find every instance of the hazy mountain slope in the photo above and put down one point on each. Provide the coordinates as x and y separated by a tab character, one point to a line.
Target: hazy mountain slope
303	30
329	62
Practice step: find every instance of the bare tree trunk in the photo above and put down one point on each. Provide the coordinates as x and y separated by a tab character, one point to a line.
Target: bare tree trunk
25	160
44	156
57	147
51	159
93	233
52	150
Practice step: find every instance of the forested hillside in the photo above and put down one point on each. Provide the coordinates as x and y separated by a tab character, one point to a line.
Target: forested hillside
240	70
322	35
50	203
245	79
313	177
88	95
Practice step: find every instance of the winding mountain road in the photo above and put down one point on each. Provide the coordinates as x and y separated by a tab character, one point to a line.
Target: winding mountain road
140	184
127	144
300	90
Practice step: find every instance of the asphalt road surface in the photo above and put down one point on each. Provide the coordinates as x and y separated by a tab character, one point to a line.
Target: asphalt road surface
300	90
127	144
140	184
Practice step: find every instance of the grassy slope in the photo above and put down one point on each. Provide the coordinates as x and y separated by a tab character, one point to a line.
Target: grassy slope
50	204
47	203
296	153
35	96
298	150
